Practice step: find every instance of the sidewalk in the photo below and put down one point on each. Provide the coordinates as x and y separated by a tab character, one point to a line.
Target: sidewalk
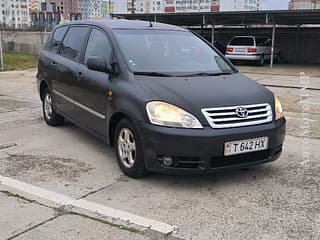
22	218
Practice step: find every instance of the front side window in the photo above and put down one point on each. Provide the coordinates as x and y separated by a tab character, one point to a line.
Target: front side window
73	42
179	52
98	46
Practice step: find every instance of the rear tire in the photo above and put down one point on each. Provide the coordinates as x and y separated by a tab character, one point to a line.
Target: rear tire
261	61
49	114
277	59
129	150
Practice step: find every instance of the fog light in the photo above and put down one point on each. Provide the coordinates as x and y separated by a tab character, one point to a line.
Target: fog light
167	161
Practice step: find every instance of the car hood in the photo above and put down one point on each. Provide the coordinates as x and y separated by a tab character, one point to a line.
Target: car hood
194	93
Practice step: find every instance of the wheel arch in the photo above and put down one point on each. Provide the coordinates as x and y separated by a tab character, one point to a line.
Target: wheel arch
43	86
113	122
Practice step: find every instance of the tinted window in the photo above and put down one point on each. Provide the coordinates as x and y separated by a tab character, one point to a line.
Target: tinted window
57	38
73	42
242	41
176	52
262	41
98	46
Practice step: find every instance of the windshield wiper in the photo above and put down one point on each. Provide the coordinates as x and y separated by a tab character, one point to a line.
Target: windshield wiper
156	74
206	74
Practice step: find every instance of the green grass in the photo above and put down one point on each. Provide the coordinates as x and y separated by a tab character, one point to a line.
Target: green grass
19	61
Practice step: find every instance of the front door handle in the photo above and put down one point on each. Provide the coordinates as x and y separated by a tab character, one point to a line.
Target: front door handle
53	65
80	75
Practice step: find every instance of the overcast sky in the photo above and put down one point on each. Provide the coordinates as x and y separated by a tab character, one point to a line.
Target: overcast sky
278	4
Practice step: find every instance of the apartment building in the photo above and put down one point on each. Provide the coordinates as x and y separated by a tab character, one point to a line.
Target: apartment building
83	8
131	6
34	5
242	5
66	7
191	6
14	13
304	4
120	6
149	6
213	5
99	8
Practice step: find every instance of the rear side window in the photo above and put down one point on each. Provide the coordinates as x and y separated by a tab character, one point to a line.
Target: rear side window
242	41
262	41
57	38
73	42
98	46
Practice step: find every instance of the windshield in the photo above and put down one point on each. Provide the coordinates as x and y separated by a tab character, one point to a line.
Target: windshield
161	51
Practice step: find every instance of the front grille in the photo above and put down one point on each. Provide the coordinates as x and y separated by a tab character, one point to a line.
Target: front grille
226	117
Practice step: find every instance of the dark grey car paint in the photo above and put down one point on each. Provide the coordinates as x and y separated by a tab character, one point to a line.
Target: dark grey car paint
90	89
132	92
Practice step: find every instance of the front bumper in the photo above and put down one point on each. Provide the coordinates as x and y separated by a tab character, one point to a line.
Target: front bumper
202	151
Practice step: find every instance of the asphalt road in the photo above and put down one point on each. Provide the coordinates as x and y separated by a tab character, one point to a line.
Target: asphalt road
280	200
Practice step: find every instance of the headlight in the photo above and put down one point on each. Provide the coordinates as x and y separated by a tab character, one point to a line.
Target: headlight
278	108
165	114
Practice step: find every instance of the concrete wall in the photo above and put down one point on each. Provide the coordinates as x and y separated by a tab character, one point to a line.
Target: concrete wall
23	41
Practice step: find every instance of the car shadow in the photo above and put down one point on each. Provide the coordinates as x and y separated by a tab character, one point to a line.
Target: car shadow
227	177
183	181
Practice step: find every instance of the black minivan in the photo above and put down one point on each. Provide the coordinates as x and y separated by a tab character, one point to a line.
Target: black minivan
165	98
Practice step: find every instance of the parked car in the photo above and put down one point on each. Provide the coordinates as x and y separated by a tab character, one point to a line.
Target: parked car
161	95
250	48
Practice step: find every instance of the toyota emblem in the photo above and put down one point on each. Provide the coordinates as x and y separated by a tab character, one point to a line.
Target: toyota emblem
242	112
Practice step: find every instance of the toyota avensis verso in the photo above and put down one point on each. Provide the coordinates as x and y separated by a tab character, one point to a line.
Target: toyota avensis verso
161	95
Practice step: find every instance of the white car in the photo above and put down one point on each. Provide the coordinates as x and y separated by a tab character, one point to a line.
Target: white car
250	48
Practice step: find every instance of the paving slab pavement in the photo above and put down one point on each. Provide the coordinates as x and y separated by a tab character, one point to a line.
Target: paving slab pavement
74	227
23	218
274	201
19	214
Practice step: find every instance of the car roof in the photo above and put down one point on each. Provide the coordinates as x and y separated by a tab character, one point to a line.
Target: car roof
125	24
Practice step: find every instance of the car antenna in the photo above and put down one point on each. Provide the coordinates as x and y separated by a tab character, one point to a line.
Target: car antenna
150	24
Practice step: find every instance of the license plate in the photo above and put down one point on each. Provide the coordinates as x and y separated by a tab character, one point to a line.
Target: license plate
246	146
240	50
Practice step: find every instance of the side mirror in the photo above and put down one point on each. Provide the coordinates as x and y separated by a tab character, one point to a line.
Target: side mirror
99	64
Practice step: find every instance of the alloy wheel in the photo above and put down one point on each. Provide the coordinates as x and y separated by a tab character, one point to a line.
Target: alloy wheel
126	147
48	106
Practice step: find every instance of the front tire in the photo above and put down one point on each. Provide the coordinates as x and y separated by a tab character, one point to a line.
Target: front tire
129	150
49	114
